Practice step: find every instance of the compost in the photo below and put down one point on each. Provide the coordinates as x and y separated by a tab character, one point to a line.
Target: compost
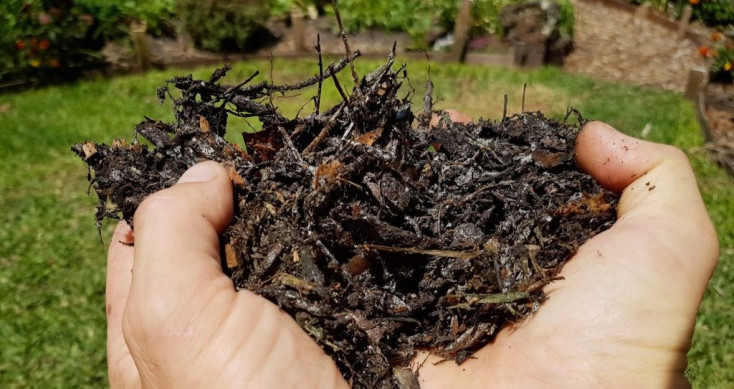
378	231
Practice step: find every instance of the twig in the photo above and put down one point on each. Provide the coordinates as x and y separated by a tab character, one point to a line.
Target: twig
348	51
425	116
219	73
240	85
270	91
325	131
375	77
331	69
321	72
339	88
288	143
492	298
579	118
413	250
228	93
522	107
504	109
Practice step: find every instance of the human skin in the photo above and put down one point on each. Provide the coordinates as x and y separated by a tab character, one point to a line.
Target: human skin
622	316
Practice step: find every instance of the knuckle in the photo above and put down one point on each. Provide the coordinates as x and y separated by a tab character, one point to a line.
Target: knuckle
146	321
158	203
676	155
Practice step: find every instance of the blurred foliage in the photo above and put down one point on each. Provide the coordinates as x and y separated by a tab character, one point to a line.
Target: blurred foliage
720	56
424	19
45	39
42	40
51	40
711	12
221	25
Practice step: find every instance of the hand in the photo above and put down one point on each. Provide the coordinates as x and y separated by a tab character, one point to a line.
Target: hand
176	321
623	316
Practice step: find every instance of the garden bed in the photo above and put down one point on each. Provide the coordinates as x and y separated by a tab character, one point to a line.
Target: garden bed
647	52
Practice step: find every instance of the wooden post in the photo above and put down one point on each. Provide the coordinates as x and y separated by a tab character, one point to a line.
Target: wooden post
695	92
696	79
461	31
140	45
702	120
298	34
185	43
685	20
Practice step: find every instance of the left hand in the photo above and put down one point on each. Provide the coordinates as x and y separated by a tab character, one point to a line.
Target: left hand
175	320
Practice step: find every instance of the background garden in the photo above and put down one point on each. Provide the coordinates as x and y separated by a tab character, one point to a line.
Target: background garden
52	264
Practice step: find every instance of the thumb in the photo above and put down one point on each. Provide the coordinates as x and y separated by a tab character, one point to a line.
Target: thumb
177	263
659	194
184	323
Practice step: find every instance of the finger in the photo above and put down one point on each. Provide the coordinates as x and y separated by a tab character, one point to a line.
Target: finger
184	322
651	267
454	115
614	159
121	368
177	244
660	194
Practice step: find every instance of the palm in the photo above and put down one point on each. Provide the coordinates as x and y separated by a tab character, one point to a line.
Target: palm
623	315
595	329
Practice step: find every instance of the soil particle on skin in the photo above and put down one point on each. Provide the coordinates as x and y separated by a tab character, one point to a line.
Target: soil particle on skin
377	233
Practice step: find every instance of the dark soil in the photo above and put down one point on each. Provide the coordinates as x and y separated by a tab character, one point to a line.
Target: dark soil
378	233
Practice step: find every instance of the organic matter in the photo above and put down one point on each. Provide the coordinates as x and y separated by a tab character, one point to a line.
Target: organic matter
378	232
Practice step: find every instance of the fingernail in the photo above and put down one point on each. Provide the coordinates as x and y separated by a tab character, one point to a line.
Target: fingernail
200	172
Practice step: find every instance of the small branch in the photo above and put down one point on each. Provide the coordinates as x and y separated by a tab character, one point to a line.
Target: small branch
240	85
228	94
348	51
522	107
339	88
331	69
375	77
576	113
425	116
321	72
288	143
219	73
504	110
324	132
413	250
493	298
270	91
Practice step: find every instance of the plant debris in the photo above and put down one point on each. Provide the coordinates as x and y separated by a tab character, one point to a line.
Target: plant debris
377	232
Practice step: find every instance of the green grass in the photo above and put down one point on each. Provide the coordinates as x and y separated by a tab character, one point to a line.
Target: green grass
52	331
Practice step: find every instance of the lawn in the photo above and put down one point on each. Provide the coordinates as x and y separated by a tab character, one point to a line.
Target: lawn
52	264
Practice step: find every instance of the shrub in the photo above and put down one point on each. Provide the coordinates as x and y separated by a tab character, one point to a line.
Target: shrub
47	39
415	17
157	14
710	12
115	16
221	25
567	18
485	16
420	17
721	57
52	40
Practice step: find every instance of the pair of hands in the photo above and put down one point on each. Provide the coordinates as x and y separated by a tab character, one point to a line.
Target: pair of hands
622	317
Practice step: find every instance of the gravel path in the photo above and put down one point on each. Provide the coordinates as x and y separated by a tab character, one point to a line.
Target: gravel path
611	45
